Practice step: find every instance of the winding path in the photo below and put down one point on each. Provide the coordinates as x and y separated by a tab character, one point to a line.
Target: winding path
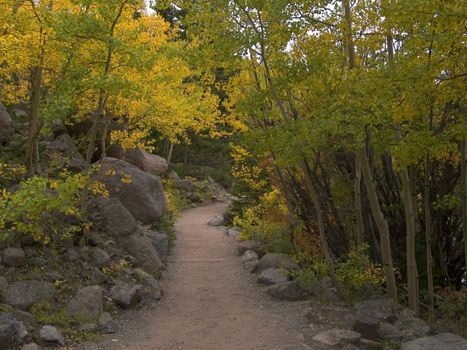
210	302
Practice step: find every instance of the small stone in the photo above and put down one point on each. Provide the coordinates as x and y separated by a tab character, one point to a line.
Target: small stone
255	246
216	221
71	255
276	261
99	258
249	255
26	318
272	276
107	324
233	233
38	261
289	290
3	287
151	288
250	265
89	327
125	295
337	337
51	334
31	346
13	257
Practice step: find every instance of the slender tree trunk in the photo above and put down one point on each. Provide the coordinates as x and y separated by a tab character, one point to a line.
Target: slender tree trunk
34	125
464	201
429	257
104	138
381	224
171	149
358	202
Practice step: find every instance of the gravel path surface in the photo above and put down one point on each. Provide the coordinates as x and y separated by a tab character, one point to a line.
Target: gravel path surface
210	302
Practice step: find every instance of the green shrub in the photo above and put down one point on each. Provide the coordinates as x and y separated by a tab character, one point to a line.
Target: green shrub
44	207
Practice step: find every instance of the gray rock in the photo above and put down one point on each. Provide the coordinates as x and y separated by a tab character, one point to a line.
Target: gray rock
184	185
151	288
233	233
63	152
255	246
99	257
6	124
446	341
58	127
141	247
86	305
125	295
97	276
31	346
330	316
142	194
150	163
71	255
3	287
7	330
330	295
26	318
13	257
23	294
250	265
276	261
249	255
314	288
337	337
410	326
388	331
289	290
160	241
89	327
107	324
272	276
52	335
114	218
216	221
370	313
38	261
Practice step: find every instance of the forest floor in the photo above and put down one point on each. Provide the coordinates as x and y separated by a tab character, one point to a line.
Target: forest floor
210	302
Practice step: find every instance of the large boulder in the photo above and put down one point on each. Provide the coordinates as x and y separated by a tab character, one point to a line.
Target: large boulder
160	242
289	290
447	341
147	162
336	338
6	124
86	305
23	294
272	276
216	221
151	289
276	261
141	193
112	216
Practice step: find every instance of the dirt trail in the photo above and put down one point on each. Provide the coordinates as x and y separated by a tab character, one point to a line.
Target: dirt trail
210	302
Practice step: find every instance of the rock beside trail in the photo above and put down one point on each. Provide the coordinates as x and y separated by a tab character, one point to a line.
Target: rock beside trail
140	193
276	261
52	335
151	289
272	276
23	294
140	246
160	242
233	233
370	313
249	255
216	221
114	218
125	295
255	246
444	341
289	290
13	257
337	338
184	185
107	324
87	304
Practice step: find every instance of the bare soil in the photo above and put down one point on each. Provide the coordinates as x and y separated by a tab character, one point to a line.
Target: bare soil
210	302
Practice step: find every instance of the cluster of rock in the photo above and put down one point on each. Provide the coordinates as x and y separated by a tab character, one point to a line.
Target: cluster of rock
199	191
117	267
375	323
